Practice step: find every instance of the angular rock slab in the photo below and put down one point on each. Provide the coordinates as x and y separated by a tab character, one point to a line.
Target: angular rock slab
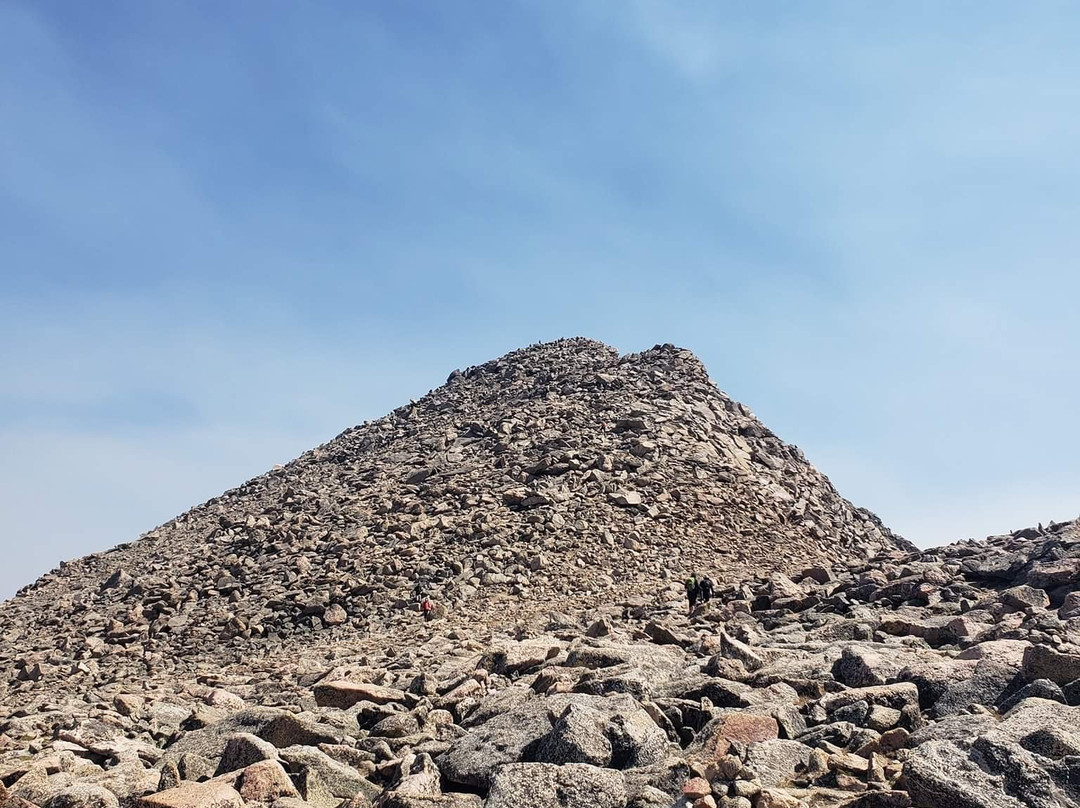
567	728
195	795
941	774
544	785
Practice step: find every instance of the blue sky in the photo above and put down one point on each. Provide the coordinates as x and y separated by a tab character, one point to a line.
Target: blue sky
229	231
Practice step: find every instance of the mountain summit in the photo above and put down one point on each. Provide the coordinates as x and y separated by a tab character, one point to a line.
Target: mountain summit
559	475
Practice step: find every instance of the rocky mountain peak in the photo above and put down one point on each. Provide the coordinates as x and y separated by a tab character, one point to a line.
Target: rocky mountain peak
529	491
553	359
562	472
267	648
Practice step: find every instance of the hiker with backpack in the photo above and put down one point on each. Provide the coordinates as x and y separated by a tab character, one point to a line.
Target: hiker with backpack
705	589
693	591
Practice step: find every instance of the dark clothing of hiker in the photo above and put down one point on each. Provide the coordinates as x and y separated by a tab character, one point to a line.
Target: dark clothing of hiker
705	589
693	591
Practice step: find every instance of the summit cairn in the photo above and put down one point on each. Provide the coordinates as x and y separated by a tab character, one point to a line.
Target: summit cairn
478	600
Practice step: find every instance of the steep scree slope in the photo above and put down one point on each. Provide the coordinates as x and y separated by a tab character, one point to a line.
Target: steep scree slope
558	476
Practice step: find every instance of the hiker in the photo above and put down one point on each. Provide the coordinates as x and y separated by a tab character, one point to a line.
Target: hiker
432	610
693	590
706	589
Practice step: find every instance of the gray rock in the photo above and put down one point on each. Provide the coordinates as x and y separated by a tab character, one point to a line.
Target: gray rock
314	790
33	786
1034	714
615	733
1020	771
419	777
734	649
777	762
879	799
667	776
525	655
612	730
83	795
169	776
277	727
242	750
265	782
1043	662
791	721
863	667
838	733
1025	597
212	794
1048	574
1003	567
882	718
1039	689
341	781
855	712
1052	742
397	725
578	737
933	677
941	775
1070	607
990	681
897	696
191	766
544	785
393	799
508	738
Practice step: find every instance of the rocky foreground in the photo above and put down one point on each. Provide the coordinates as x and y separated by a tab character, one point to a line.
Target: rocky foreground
943	679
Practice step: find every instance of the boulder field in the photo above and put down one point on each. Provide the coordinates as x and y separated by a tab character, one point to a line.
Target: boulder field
943	678
266	648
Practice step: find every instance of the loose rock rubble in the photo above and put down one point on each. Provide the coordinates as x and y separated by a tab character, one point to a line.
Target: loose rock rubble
559	473
837	666
940	678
